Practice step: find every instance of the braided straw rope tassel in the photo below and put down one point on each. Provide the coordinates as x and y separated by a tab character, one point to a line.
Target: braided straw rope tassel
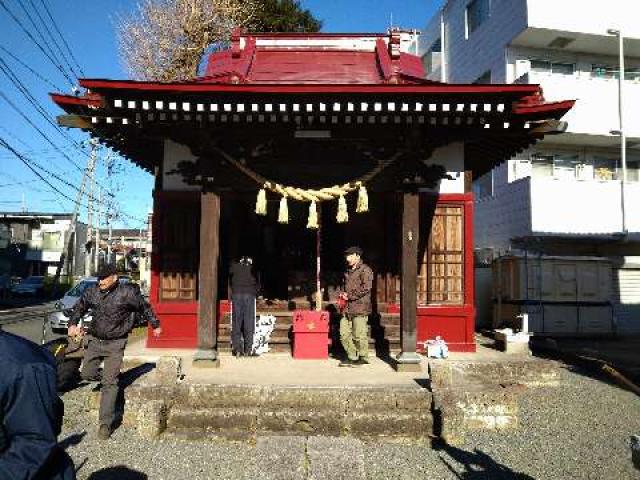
343	214
363	200
261	202
283	213
312	223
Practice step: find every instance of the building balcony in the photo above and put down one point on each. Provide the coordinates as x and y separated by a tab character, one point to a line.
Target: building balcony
566	206
555	24
555	207
596	110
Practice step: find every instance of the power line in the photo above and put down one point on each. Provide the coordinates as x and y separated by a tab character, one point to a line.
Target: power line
35	73
55	26
40	34
31	37
6	145
42	134
31	99
55	42
35	164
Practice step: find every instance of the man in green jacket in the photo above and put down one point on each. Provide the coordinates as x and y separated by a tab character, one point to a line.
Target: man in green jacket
354	335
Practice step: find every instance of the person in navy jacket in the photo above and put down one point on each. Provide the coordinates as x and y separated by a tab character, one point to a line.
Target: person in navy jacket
30	414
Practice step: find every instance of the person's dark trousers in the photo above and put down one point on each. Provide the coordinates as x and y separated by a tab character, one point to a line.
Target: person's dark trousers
112	352
243	322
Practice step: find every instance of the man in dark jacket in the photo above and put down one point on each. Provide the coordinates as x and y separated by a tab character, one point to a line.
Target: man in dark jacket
112	304
30	414
358	281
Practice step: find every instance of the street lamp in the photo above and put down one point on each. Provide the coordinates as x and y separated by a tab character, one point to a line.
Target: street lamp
620	132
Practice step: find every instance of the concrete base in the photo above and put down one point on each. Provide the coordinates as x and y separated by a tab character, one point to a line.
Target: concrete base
512	343
407	367
206	359
407	362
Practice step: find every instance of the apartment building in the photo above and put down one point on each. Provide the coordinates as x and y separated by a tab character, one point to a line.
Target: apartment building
565	195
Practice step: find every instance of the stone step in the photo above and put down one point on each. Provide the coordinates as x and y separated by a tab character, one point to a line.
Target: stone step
233	411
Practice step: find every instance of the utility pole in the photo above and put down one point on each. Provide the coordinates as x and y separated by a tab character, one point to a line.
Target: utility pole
24	203
110	227
88	257
621	132
69	251
97	245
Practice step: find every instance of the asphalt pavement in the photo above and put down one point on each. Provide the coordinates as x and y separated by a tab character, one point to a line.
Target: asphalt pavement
28	321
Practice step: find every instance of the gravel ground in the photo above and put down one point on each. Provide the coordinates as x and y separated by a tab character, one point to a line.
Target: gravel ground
579	430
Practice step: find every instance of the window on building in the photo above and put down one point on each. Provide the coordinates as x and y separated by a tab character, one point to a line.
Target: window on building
478	11
605	168
431	59
547	66
565	166
484	78
611	71
52	241
441	272
542	165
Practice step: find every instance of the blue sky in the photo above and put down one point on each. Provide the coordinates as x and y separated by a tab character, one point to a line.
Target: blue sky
88	27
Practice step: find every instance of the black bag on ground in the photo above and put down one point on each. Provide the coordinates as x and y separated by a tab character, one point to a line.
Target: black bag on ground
68	355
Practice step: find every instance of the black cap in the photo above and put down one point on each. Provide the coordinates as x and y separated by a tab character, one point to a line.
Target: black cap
356	250
106	270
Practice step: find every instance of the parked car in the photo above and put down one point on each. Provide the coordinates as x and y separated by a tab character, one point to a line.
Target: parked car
59	319
30	286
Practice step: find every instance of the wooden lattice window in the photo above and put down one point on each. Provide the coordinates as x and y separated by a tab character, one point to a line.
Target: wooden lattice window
441	273
177	287
179	250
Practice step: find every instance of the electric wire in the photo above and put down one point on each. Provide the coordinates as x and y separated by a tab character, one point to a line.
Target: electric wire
42	38
64	41
31	99
33	39
55	42
34	72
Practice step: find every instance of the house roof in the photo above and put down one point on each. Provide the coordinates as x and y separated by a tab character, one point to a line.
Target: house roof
315	59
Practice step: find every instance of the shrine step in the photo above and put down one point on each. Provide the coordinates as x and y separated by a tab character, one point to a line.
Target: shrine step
236	411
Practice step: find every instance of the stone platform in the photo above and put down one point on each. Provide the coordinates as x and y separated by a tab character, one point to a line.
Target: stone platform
276	394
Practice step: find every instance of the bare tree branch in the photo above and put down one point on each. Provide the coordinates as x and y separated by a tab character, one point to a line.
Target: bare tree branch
164	40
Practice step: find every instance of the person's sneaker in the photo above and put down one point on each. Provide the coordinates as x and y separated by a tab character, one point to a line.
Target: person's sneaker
104	432
362	361
347	363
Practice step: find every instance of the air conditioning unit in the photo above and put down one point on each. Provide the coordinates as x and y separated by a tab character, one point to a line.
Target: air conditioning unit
584	172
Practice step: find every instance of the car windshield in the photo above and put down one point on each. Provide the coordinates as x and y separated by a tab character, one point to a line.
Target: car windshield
33	280
80	288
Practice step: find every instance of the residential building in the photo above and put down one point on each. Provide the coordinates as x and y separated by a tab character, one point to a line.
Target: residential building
31	243
564	196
